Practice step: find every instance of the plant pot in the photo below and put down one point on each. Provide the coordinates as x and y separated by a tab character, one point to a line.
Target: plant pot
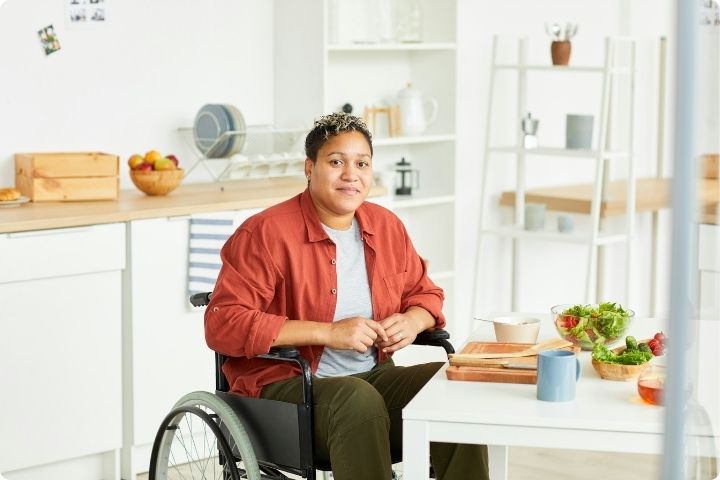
560	52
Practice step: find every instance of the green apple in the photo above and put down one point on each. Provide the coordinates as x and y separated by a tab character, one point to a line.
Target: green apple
164	164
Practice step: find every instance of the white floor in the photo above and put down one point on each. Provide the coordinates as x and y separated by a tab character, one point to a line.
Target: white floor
543	464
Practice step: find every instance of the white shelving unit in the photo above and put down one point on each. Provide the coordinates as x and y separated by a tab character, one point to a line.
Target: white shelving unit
315	76
617	51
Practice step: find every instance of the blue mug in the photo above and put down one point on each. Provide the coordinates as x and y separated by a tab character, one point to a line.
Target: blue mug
558	372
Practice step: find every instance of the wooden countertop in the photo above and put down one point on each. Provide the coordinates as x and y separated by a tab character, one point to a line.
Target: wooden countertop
135	205
652	194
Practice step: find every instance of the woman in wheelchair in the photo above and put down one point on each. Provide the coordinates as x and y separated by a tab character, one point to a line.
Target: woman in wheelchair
339	279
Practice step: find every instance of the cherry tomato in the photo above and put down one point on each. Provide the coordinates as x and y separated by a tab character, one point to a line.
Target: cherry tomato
653	344
660	337
568	321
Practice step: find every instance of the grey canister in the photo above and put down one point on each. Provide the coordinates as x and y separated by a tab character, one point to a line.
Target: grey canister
578	131
565	223
534	216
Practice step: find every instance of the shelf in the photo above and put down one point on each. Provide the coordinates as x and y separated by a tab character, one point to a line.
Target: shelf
412	140
559	152
413	202
652	194
565	68
514	231
391	47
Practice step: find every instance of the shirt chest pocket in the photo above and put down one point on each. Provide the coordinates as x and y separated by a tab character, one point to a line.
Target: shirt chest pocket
394	285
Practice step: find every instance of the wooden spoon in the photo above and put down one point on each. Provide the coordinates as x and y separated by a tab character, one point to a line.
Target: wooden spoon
477	358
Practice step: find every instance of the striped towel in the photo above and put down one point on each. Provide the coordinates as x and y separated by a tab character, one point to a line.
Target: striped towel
208	234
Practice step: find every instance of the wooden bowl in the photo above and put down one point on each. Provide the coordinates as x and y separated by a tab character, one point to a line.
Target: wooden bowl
616	371
157	182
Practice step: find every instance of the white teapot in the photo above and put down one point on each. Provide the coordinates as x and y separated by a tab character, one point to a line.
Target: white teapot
414	117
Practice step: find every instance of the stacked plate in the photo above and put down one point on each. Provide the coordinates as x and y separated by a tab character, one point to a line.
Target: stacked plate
219	130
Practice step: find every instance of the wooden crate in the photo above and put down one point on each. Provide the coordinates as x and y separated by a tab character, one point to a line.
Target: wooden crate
51	177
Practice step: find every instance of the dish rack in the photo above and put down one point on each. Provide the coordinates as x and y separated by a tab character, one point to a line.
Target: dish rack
267	151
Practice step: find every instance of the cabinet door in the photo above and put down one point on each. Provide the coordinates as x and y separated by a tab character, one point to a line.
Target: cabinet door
169	354
709	265
60	353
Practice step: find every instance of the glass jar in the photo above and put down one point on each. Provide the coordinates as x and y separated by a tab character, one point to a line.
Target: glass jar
651	384
408	21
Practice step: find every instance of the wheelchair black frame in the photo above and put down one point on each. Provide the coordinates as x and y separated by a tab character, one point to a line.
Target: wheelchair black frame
292	452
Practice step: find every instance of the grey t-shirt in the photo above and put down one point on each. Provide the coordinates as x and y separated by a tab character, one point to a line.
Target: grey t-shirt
353	300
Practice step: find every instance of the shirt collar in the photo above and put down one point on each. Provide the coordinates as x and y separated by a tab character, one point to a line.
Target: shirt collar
314	228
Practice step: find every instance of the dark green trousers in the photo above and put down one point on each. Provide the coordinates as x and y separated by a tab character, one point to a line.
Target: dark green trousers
358	421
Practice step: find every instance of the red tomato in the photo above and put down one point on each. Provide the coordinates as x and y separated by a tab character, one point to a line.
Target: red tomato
653	344
570	321
660	337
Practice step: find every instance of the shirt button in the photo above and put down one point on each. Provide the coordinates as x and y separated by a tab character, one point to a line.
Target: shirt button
333	261
333	291
216	309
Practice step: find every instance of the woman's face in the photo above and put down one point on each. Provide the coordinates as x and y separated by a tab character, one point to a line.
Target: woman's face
340	178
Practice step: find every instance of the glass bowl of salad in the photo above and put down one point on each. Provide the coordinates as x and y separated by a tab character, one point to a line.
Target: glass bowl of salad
587	325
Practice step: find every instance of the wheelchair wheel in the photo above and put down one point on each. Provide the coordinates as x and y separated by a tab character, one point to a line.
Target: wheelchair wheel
202	438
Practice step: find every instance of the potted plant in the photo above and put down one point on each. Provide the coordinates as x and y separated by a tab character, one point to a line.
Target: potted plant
561	46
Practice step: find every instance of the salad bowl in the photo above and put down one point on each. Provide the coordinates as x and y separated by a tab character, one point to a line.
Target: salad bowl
587	325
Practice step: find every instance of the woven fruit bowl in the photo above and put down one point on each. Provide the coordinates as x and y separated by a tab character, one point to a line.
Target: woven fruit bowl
617	371
157	182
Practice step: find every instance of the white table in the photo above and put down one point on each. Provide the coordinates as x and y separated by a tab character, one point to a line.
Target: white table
605	416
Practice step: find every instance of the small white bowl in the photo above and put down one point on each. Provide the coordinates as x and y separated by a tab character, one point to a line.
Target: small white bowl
516	329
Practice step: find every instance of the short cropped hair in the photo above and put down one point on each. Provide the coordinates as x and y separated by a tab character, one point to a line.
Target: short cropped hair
330	125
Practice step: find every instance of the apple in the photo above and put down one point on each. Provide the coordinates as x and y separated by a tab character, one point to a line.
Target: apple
152	156
135	160
144	167
164	164
174	159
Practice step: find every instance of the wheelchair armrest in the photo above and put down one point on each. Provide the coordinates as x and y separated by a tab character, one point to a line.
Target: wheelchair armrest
436	337
291	354
277	353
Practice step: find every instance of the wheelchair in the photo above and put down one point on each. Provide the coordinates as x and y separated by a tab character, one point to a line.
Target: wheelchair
226	436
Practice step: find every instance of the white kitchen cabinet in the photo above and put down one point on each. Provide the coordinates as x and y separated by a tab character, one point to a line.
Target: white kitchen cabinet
709	266
60	351
320	66
166	356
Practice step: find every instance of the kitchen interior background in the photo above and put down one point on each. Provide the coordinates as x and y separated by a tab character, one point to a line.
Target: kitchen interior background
127	86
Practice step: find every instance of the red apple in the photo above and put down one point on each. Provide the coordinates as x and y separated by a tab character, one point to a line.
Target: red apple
174	159
144	167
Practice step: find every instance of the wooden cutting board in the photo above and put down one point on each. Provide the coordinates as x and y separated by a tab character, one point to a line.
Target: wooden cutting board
497	373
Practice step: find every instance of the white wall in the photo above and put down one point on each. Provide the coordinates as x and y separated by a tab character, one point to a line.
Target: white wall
552	273
128	85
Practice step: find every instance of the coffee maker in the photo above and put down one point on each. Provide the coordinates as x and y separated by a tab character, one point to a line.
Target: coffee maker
407	178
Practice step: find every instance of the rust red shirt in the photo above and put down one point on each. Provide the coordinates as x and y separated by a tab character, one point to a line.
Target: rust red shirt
280	265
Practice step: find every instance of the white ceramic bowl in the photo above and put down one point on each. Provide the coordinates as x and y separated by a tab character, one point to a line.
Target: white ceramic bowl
516	329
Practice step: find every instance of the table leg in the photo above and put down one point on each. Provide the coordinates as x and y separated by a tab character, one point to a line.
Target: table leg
498	460
416	450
